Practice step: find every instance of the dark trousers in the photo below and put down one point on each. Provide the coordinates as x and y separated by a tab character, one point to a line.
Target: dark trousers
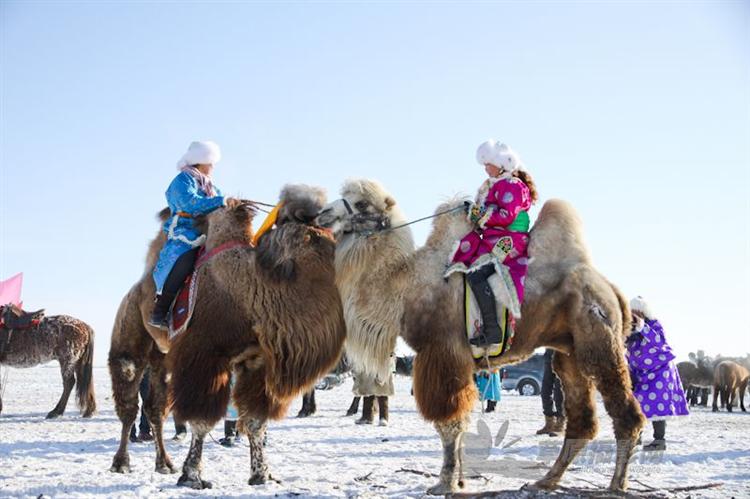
485	297
660	429
181	269
550	385
143	389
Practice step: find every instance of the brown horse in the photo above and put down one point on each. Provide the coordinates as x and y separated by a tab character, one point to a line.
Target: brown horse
729	378
58	337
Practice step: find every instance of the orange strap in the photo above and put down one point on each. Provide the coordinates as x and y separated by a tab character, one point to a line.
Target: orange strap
184	214
267	223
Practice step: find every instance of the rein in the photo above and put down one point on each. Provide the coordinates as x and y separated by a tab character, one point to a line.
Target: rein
207	255
384	228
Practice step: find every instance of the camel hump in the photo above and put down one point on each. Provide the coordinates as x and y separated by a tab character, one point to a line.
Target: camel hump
557	235
164	214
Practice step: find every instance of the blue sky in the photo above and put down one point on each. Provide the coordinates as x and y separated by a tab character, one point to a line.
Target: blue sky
638	113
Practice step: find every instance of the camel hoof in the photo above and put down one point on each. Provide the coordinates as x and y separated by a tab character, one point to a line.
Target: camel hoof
88	415
52	415
166	469
442	489
120	466
543	484
259	479
194	483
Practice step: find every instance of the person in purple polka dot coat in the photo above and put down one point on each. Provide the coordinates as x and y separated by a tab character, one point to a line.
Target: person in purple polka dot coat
656	382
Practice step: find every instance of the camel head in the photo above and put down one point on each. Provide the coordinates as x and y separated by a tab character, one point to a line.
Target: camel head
295	250
233	222
365	207
301	203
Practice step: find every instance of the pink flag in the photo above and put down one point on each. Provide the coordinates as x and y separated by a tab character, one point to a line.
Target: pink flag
10	290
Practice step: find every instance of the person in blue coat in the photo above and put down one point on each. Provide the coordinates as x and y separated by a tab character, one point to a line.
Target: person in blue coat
489	386
191	193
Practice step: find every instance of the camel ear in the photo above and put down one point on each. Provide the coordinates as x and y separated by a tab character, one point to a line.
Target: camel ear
389	203
273	259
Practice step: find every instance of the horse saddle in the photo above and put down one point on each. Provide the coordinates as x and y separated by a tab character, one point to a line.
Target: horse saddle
13	317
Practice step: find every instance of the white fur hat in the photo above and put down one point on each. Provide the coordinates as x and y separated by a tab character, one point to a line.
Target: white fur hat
638	304
200	153
499	155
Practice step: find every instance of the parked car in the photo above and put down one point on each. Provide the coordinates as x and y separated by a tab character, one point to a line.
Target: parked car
525	377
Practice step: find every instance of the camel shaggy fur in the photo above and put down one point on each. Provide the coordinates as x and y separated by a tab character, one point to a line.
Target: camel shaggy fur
66	339
271	316
568	306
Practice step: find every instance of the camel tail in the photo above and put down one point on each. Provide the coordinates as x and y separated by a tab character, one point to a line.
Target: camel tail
199	389
84	378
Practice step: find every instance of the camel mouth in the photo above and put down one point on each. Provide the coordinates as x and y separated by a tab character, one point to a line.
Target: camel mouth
325	233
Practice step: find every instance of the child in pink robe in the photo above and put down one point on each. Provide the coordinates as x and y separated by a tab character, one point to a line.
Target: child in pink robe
499	240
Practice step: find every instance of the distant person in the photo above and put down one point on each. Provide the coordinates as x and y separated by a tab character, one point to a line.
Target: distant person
656	382
144	428
191	193
552	407
231	435
489	387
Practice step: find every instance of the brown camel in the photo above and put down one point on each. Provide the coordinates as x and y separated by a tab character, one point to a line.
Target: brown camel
271	316
568	306
39	339
729	378
136	345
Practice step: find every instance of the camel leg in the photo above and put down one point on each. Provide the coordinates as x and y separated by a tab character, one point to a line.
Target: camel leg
155	406
625	412
450	435
580	409
354	407
191	468
126	377
731	395
69	381
256	433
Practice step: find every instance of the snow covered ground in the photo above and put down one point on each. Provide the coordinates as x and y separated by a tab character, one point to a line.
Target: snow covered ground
328	455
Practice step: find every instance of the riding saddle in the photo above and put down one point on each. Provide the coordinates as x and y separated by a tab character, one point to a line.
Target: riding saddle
13	317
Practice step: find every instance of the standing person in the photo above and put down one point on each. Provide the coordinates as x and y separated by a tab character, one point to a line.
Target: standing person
498	241
144	428
191	193
372	390
230	422
553	409
489	387
656	382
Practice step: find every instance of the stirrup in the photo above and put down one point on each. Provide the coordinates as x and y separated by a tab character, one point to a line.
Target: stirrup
481	341
159	324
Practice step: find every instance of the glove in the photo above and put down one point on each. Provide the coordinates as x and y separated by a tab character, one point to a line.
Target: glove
476	214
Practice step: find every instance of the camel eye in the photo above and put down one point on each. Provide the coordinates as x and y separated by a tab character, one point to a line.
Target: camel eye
361	205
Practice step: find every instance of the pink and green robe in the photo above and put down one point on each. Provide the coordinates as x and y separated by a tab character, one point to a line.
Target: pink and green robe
500	238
